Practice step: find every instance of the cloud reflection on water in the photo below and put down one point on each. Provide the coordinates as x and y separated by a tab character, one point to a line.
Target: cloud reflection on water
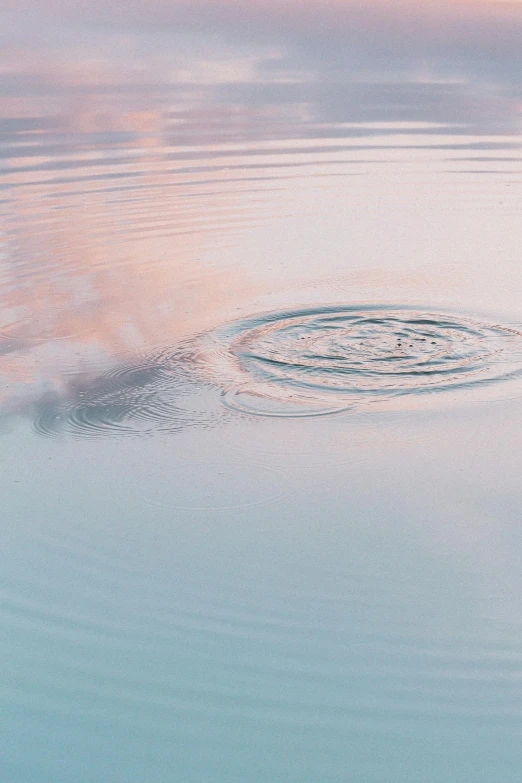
128	148
417	61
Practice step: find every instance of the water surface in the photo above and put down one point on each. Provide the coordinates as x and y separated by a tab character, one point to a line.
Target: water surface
260	381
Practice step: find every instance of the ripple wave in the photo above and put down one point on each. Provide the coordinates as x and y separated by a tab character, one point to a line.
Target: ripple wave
158	392
324	360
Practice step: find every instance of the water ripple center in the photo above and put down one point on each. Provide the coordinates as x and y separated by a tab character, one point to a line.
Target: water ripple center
324	360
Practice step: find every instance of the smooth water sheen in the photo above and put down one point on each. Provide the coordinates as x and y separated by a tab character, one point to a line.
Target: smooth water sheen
260	392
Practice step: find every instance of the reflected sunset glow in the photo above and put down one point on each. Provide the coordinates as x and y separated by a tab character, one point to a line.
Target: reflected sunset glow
260	385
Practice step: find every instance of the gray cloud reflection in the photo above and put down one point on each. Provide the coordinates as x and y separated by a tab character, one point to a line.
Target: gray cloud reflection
446	62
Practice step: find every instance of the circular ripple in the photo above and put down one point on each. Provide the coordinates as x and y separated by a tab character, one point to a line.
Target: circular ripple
324	360
158	392
29	333
212	486
265	400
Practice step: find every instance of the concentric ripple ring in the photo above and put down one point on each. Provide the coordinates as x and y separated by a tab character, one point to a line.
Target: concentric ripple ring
323	360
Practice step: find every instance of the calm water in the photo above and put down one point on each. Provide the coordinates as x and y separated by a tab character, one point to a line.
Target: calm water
261	393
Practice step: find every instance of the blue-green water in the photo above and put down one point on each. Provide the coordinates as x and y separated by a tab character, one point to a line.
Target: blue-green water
260	358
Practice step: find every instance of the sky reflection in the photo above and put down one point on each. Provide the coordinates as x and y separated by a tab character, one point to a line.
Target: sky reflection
138	150
409	54
198	201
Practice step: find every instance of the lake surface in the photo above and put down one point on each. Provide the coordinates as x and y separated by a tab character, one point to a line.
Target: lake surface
261	393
